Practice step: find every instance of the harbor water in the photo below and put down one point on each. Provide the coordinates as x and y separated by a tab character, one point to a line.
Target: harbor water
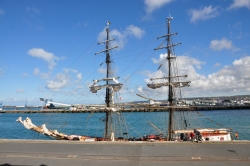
137	123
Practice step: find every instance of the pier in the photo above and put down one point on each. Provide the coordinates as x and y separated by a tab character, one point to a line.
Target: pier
38	152
141	109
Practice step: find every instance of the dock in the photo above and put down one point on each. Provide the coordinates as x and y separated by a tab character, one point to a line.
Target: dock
47	153
140	109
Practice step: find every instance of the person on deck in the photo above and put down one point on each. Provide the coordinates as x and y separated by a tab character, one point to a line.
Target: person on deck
192	136
236	135
198	135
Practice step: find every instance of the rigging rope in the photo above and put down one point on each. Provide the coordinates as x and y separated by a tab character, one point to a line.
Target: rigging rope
210	119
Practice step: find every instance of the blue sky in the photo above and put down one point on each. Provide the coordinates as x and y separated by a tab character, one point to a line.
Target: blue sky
47	48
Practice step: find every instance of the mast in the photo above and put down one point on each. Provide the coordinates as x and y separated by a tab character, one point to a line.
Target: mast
173	80
110	87
107	98
170	91
170	88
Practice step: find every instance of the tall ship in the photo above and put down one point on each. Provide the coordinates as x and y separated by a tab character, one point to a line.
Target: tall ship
179	127
113	118
178	122
115	128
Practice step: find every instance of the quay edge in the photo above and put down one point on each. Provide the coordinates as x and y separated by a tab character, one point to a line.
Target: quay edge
194	108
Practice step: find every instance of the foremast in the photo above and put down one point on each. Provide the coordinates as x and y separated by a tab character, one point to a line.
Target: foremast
172	80
109	86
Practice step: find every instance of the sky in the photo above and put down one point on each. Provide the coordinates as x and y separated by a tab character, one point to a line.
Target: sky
47	48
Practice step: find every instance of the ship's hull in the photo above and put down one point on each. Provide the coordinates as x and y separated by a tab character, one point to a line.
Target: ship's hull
206	135
216	136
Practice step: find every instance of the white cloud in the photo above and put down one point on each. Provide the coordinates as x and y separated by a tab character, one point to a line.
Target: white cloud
25	75
1	12
67	70
45	75
20	91
102	71
63	80
182	62
1	71
79	76
60	81
187	65
203	14
81	24
152	5
240	3
242	62
40	28
42	75
229	79
50	58
79	87
224	43
36	71
121	36
133	30
217	64
33	10
140	89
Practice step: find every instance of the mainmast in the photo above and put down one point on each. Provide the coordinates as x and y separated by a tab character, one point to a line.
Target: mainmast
107	98
170	91
171	78
110	87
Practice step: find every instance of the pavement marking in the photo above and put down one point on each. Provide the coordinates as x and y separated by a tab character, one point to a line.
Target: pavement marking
196	158
233	151
72	156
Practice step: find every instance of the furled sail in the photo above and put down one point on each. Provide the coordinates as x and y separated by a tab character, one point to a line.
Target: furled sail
173	84
115	87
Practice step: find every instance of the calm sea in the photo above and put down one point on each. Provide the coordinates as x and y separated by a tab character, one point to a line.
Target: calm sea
137	123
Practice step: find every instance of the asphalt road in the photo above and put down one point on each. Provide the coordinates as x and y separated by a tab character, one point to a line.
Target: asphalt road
69	153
